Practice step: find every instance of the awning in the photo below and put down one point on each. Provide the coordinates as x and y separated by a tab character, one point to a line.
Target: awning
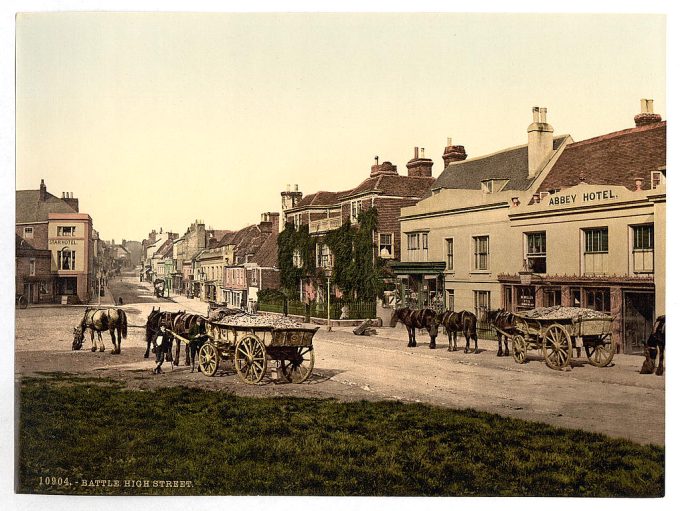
427	268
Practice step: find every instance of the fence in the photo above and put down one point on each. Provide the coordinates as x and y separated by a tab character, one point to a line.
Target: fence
355	309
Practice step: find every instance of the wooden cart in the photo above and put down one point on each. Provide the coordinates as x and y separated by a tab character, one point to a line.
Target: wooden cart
557	338
252	348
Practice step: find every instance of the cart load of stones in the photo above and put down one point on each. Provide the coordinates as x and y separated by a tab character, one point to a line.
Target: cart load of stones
562	333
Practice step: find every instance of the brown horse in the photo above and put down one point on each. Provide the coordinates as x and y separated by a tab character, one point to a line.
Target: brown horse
412	319
502	321
656	341
464	322
191	327
154	322
100	320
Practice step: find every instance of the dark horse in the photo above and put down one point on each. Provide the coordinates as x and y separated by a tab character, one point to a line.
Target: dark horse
655	342
154	322
100	320
412	319
464	322
502	320
191	327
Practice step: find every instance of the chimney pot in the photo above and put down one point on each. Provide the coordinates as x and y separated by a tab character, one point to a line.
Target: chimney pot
448	141
536	113
415	153
646	115
422	152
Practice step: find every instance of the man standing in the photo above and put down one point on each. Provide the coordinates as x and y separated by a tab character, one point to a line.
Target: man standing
162	348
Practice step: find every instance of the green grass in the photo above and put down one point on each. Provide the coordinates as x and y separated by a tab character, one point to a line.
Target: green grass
229	445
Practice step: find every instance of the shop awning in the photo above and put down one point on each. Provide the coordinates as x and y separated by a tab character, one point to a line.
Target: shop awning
419	268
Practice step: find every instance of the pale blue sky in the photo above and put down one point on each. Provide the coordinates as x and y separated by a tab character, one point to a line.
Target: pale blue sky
216	113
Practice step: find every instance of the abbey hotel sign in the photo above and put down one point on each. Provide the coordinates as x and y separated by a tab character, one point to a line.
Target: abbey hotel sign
584	197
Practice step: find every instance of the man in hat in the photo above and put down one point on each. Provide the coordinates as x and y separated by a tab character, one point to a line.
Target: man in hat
162	348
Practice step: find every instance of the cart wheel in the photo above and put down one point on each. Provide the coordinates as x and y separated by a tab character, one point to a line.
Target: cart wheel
519	348
208	359
250	359
557	346
601	352
300	367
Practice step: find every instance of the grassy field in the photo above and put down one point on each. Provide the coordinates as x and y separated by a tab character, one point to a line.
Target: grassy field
87	430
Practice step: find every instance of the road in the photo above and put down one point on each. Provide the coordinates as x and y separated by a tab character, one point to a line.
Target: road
616	400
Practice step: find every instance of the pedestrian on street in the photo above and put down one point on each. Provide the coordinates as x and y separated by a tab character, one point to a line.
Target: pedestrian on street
162	348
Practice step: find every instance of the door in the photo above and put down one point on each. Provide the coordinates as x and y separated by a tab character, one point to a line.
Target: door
638	319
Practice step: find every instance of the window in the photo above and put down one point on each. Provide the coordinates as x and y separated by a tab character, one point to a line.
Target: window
66	230
552	297
355	210
424	241
596	243
253	277
482	300
643	248
575	297
449	253
297	220
31	267
66	259
507	298
28	233
598	299
450	299
481	245
297	259
534	254
658	179
413	241
323	256
385	248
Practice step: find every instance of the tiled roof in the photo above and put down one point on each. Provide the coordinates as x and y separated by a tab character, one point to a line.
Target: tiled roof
29	207
401	186
268	254
165	249
510	164
614	159
319	199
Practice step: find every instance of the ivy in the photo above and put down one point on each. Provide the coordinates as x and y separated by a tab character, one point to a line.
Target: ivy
290	240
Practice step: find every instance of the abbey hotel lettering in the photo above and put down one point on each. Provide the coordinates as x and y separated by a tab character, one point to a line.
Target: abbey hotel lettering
586	197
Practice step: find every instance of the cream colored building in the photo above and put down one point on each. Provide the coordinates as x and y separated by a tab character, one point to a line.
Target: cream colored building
587	230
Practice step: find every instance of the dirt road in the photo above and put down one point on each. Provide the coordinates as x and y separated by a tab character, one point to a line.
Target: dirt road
616	400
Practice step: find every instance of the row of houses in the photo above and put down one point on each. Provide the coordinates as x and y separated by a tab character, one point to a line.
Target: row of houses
550	222
223	266
59	256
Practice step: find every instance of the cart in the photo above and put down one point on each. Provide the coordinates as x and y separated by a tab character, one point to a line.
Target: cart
252	348
557	331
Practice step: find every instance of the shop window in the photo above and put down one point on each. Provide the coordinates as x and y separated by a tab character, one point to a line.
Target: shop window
481	254
448	243
482	301
575	297
28	233
596	251
552	297
386	247
597	299
535	251
643	248
66	230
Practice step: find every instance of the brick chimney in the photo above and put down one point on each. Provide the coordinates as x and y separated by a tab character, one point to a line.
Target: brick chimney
384	168
419	166
43	191
453	153
646	115
540	141
71	201
289	199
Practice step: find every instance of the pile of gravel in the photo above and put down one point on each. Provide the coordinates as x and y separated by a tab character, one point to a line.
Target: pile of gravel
559	312
268	320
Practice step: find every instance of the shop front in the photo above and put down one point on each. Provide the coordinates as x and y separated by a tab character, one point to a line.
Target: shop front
419	284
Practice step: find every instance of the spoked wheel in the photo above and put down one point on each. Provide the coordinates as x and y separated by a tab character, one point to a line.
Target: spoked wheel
519	348
300	367
208	359
601	352
557	346
250	359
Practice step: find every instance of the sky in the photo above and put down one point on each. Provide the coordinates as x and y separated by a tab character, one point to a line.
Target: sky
158	119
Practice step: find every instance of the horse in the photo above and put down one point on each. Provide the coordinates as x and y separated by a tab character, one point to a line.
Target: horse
464	322
656	341
154	322
192	327
412	319
100	320
502	321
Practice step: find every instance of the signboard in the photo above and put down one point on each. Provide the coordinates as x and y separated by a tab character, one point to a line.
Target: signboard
526	297
583	198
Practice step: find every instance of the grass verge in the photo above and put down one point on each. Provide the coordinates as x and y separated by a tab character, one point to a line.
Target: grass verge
86	431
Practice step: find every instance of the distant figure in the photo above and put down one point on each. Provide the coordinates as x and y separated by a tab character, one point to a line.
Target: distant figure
120	300
344	312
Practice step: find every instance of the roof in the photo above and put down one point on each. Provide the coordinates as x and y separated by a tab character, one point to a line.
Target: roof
29	207
510	164
165	249
614	159
23	247
268	254
319	199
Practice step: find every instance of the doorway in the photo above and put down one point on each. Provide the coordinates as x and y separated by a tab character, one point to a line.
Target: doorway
638	320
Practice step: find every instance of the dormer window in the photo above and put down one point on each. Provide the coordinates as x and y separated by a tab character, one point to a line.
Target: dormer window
493	185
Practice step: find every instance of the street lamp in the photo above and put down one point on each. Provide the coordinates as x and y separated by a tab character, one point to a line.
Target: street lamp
328	272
